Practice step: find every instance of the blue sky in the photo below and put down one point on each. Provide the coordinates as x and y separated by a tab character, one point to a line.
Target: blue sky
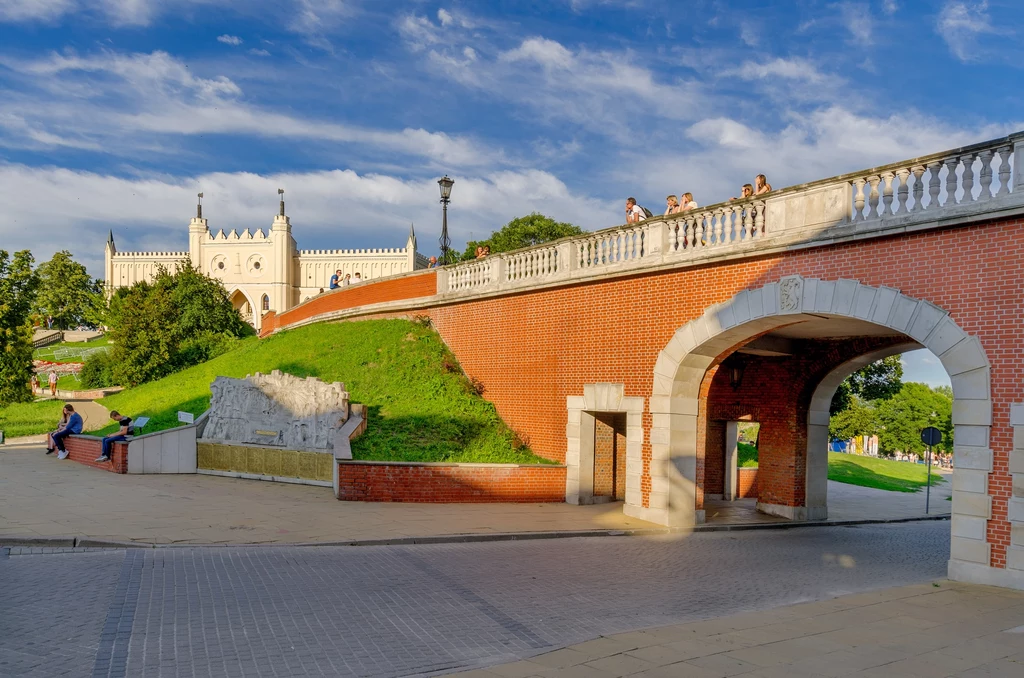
114	113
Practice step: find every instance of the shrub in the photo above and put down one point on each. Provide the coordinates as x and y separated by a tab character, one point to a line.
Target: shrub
97	372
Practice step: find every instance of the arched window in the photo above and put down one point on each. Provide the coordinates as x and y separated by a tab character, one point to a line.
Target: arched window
266	303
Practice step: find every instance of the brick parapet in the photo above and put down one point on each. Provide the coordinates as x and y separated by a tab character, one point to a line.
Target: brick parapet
85	450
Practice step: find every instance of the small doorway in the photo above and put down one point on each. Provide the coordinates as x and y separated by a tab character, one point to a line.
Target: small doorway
609	456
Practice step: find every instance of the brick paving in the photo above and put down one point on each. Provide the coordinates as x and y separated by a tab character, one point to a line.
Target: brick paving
413	610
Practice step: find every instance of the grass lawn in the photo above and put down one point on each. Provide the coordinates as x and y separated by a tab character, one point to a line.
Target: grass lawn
420	406
747	457
882	474
68	351
28	419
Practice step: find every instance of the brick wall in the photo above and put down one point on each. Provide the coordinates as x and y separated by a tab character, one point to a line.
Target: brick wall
85	449
449	483
411	286
746	484
532	349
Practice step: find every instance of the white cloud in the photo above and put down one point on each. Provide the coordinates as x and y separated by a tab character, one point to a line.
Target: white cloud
230	40
259	52
315	20
749	33
445	17
857	18
73	209
960	23
890	7
34	10
112	100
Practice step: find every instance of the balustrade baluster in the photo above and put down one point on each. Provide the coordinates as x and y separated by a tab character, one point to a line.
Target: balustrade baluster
934	185
858	200
918	186
968	177
873	198
887	178
1004	170
986	174
951	182
902	192
759	220
748	222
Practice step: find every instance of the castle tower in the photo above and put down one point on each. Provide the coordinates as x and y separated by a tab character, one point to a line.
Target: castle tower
284	253
108	264
197	233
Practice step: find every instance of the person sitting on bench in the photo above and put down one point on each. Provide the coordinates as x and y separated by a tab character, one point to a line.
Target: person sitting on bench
72	427
122	434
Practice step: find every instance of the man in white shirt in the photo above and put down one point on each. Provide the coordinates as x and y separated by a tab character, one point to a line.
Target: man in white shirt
634	213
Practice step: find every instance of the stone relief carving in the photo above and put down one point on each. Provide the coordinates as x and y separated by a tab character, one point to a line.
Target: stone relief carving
790	292
278	410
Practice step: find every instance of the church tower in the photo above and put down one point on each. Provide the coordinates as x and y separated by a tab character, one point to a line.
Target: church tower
410	248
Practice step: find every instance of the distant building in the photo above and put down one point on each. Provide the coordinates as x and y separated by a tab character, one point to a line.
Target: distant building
261	271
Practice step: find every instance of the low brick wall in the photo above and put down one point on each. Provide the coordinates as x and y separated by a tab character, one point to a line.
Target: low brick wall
449	483
747	483
85	449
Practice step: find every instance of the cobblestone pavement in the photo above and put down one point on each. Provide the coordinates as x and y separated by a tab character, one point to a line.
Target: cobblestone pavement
411	610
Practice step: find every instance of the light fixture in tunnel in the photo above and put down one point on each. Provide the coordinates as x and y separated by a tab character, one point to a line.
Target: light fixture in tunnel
736	373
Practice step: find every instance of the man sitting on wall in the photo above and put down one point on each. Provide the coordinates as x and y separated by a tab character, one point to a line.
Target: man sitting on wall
122	434
74	426
334	280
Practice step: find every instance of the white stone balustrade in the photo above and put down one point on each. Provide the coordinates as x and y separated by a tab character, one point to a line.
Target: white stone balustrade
958	184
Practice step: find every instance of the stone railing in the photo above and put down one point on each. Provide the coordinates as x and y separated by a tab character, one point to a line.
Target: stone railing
961	184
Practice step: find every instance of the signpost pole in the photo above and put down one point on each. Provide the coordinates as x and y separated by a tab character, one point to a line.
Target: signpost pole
928	491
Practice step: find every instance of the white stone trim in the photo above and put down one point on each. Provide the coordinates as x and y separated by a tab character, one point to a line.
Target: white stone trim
579	433
681	367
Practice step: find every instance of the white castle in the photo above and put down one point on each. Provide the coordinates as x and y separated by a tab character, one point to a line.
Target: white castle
261	271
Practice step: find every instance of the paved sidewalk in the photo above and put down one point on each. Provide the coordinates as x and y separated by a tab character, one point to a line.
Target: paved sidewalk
41	496
939	629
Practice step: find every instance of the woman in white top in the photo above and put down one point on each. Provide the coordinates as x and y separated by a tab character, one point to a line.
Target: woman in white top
688	203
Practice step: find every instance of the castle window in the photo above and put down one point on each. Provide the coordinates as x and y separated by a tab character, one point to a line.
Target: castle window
220	265
266	299
256	265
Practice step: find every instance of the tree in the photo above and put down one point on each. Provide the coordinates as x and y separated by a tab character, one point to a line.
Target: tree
903	417
879	380
176	321
859	419
67	293
523	232
18	283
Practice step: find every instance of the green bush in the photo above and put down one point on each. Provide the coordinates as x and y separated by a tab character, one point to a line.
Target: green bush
97	371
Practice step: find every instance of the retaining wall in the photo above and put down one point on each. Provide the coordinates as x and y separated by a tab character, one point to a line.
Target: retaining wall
449	483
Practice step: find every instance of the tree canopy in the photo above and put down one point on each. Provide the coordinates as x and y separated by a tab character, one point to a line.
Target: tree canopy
18	284
899	419
67	294
176	321
521	232
879	380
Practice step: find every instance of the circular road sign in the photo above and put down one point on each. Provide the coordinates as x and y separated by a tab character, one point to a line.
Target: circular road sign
931	436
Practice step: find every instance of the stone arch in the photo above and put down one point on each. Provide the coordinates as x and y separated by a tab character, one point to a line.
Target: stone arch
701	343
253	317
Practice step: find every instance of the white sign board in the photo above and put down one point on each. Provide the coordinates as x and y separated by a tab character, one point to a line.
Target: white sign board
186	417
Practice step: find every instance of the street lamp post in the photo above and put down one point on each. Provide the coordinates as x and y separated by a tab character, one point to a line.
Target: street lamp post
446	191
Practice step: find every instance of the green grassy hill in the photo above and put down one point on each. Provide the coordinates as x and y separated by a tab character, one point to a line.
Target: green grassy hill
28	419
421	407
882	474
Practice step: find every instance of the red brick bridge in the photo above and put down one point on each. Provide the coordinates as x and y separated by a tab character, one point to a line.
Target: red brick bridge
654	339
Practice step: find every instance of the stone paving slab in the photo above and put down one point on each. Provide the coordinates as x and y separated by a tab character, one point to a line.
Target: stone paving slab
939	629
420	610
43	497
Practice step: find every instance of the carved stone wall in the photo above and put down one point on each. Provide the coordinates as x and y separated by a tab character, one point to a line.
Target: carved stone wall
277	410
